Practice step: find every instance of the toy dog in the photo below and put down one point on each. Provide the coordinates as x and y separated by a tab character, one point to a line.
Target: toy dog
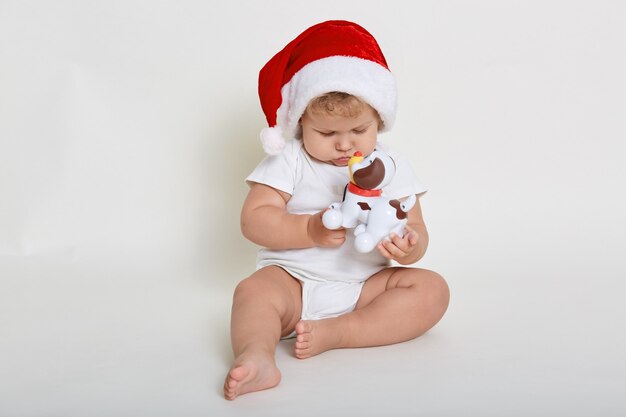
364	208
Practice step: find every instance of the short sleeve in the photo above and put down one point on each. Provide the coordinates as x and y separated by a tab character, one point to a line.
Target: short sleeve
277	171
405	182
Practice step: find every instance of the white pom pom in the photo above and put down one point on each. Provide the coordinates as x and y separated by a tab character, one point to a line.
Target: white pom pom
272	140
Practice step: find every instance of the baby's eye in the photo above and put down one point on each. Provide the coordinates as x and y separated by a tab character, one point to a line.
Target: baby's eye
359	131
327	134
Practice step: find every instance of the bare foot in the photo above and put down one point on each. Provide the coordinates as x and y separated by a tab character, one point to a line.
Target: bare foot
316	336
250	373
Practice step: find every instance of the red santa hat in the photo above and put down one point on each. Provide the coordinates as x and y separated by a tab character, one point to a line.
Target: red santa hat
331	56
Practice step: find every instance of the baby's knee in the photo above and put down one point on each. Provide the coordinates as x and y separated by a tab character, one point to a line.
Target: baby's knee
438	289
267	286
252	287
245	287
432	288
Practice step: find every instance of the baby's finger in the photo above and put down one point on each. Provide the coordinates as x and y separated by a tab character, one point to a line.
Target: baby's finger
401	243
335	242
412	235
340	233
393	249
411	238
383	251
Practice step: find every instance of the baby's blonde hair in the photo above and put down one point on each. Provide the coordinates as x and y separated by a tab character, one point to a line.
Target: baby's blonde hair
339	104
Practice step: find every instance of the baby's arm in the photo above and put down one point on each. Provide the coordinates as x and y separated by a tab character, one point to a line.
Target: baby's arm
412	247
266	222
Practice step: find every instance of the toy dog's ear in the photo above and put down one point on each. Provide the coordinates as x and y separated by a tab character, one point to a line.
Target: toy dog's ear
370	176
400	213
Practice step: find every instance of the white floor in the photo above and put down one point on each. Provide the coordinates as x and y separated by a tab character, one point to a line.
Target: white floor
86	341
127	128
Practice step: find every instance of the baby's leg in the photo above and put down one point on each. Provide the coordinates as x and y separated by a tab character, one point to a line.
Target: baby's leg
266	306
396	305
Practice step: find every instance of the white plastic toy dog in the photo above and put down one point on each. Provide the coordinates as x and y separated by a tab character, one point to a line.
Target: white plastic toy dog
364	208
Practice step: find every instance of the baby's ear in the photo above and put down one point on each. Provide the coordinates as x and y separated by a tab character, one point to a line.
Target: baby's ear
299	132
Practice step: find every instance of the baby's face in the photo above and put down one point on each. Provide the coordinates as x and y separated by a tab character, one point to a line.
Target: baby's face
334	139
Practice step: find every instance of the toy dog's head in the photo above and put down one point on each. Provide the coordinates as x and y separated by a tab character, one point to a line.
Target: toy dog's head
373	171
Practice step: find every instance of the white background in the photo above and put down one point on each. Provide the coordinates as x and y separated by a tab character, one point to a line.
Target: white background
127	128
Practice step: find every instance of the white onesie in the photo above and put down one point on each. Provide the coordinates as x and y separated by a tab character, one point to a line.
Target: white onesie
331	278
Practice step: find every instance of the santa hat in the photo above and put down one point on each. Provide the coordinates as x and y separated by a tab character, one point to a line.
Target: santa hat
331	56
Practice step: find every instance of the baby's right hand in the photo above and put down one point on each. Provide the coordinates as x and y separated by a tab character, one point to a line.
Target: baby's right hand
323	237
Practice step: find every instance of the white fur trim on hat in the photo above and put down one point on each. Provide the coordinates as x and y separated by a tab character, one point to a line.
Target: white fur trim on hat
365	79
273	140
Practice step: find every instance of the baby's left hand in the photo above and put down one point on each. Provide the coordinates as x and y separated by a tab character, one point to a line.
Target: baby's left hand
397	247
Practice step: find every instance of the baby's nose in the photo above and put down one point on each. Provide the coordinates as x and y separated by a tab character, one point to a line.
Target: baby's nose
343	145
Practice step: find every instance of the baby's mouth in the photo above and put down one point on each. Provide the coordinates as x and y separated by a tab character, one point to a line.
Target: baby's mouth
342	161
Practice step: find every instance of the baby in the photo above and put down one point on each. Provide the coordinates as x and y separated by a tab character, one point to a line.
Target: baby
326	95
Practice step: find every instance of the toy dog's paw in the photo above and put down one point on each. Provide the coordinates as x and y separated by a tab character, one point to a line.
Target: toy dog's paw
359	229
365	243
332	219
